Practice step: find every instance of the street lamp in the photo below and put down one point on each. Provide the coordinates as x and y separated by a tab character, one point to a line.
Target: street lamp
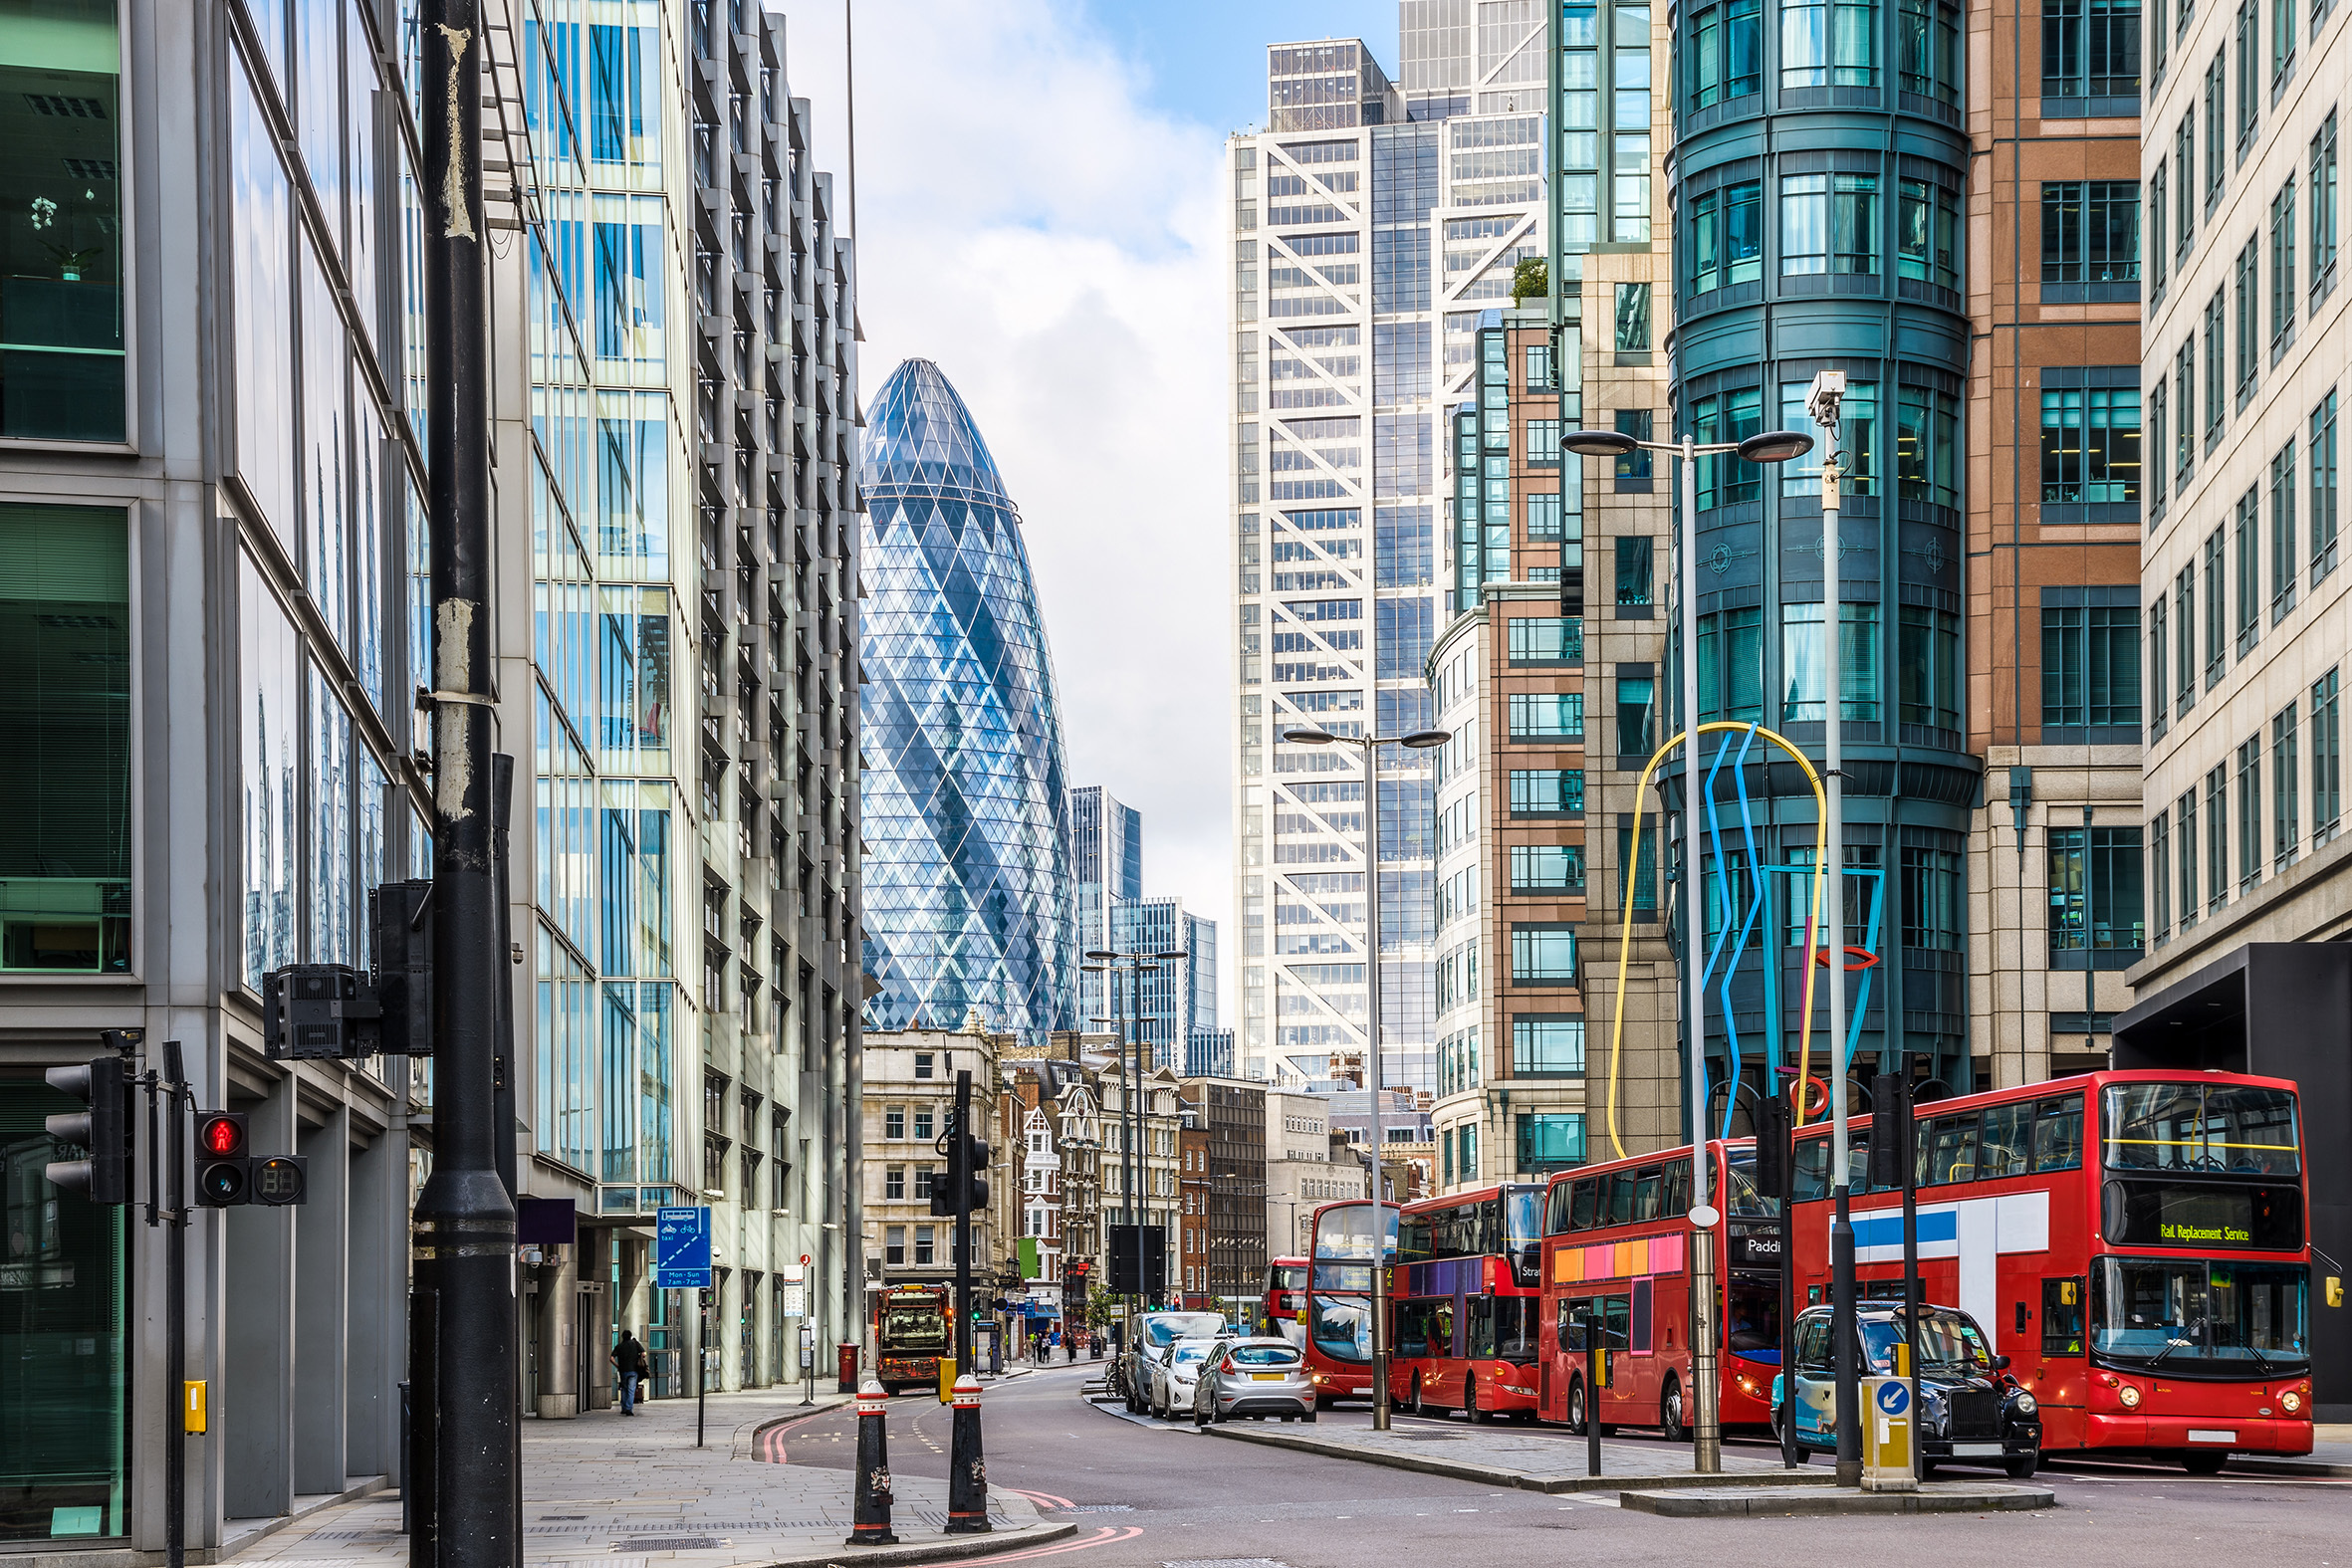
1419	740
1769	446
1103	961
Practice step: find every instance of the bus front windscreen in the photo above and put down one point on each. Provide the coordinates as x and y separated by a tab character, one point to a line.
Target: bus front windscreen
1344	1234
2191	1317
1341	1327
2201	1128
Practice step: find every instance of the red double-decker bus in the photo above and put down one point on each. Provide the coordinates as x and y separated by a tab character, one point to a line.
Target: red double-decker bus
2136	1243
1468	1305
1617	1245
1286	1291
1338	1305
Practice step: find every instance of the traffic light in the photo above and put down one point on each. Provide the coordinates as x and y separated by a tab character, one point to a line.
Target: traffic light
975	1189
105	1130
967	1163
224	1172
1773	1128
1891	1136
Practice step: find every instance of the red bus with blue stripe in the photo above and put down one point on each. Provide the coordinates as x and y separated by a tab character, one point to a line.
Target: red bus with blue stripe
1469	1302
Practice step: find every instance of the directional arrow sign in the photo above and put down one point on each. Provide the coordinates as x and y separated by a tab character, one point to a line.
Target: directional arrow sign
682	1250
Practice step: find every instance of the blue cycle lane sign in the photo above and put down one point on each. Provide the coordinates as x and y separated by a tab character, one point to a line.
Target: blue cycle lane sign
682	1250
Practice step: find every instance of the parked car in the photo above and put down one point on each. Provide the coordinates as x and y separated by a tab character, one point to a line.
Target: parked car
1971	1410
1170	1373
1155	1332
1258	1378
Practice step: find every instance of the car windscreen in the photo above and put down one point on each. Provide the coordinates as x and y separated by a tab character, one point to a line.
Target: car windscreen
1265	1356
1188	1355
1948	1345
1172	1326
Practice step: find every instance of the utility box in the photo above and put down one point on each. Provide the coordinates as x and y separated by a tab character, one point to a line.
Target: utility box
1887	1424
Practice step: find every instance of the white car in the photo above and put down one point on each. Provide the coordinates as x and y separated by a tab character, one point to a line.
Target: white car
1171	1373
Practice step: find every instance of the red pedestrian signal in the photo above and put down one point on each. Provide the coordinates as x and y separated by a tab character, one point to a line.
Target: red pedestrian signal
224	1176
221	1135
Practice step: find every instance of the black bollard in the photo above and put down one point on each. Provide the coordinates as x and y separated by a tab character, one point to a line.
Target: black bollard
870	1524
967	1470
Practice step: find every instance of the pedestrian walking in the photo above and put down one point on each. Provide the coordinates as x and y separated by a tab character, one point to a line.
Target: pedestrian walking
628	1359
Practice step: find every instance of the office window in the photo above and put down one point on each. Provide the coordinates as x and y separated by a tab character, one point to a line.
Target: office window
1830	44
2247	543
2185	173
1731	665
1934	901
923	1178
1801	663
2327	756
2185	410
1543	955
2185	663
2282	37
923	1124
1927	233
2154	446
1726	53
2245	297
894	1245
2287	567
64	797
2095	890
61	248
1722	479
1926	446
1547	1046
2159	694
2217	340
1547	791
1637	869
2090	445
1549	1140
922	1070
2090	239
1545	639
1540	511
1546	716
1634	470
2286	808
894	1122
2160	873
2186	812
1727	236
2216	104
2090	667
2157	185
1857	440
1928	667
2323	209
2249	46
2217	838
2216	621
1635	704
2090	49
926	1249
2249	813
2282	261
1926	43
1633	318
895	1183
1634	554
1542	370
2322	522
1557	869
1828	222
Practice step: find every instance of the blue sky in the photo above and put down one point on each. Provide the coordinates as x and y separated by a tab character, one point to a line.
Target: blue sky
1205	59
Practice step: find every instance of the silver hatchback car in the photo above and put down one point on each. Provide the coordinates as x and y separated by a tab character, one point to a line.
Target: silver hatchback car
1255	1378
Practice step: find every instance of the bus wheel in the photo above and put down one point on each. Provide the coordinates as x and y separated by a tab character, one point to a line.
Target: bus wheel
1470	1409
1577	1407
2204	1463
1420	1397
1670	1422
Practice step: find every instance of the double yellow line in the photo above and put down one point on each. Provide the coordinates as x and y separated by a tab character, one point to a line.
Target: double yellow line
1692	941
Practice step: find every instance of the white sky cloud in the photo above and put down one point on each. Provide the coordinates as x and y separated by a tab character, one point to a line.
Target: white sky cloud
1052	242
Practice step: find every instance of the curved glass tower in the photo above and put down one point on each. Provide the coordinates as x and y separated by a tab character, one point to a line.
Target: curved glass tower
966	809
1819	184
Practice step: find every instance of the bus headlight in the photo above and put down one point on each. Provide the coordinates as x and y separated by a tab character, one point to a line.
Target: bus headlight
2290	1402
2025	1404
2130	1397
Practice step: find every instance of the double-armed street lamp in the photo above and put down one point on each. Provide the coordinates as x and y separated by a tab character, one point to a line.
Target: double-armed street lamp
1369	745
1770	446
1103	961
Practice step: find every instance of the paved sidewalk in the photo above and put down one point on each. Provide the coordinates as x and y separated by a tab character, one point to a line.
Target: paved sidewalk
1502	1458
634	1492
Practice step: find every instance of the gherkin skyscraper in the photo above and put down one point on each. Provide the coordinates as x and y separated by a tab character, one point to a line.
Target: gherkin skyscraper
968	892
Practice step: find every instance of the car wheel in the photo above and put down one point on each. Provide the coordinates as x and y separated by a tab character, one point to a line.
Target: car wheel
1577	1407
1309	1414
2021	1466
1476	1416
2204	1463
1670	1422
1927	1469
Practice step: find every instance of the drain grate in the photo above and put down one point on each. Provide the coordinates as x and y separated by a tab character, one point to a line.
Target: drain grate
1098	1508
1226	1562
669	1543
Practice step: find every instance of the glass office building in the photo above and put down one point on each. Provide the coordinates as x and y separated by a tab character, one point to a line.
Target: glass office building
969	894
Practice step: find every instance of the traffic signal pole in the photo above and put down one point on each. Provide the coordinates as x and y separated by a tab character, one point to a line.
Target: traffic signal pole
959	1172
464	1226
174	1153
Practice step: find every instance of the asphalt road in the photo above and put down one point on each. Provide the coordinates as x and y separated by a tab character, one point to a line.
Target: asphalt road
1151	1494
